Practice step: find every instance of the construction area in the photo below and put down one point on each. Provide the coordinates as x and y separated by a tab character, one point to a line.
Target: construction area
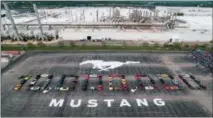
159	24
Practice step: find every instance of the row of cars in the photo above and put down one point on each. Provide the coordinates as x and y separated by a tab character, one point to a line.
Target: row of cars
33	86
192	82
116	82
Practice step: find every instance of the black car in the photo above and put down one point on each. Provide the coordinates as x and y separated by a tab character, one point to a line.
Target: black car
37	77
85	85
100	82
50	76
122	76
21	77
152	81
46	83
23	81
73	84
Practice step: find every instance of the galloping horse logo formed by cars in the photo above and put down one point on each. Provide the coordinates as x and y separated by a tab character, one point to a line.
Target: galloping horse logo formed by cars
107	65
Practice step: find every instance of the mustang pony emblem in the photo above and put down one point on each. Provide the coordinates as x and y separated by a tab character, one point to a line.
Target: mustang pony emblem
107	65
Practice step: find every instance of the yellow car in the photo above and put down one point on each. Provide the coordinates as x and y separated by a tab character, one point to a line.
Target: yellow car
123	81
164	76
27	77
110	87
17	87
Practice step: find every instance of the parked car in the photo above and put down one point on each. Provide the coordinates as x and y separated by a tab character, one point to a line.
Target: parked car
33	82
110	87
64	89
125	87
46	90
23	81
93	75
17	87
123	81
175	81
85	85
44	75
135	88
149	88
92	88
37	77
164	76
60	82
110	78
122	76
185	75
21	77
174	87
27	77
100	87
46	83
166	87
34	88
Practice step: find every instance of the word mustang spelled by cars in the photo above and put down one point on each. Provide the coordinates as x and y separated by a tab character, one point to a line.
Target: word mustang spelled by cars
109	102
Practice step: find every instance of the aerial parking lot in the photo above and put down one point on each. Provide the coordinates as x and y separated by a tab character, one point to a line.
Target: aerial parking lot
104	84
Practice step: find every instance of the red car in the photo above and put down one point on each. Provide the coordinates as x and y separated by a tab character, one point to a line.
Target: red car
86	77
124	87
166	87
137	76
156	87
100	87
99	77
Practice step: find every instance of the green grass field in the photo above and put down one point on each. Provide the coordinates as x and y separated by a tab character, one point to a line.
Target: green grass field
165	47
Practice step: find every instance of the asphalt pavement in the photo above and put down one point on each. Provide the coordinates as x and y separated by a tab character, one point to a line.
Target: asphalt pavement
182	103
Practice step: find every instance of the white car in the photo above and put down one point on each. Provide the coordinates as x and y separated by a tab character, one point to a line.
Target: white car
186	75
175	81
92	88
33	82
64	89
44	75
34	88
110	82
93	75
134	89
47	90
149	87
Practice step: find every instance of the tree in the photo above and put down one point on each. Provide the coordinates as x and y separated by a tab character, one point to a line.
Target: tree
61	44
156	45
124	44
41	44
30	45
186	46
145	44
72	44
177	46
103	43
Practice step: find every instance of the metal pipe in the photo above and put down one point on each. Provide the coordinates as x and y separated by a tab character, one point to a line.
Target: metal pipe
12	21
39	23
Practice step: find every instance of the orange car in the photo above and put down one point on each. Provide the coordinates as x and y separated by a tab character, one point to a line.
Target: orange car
17	87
